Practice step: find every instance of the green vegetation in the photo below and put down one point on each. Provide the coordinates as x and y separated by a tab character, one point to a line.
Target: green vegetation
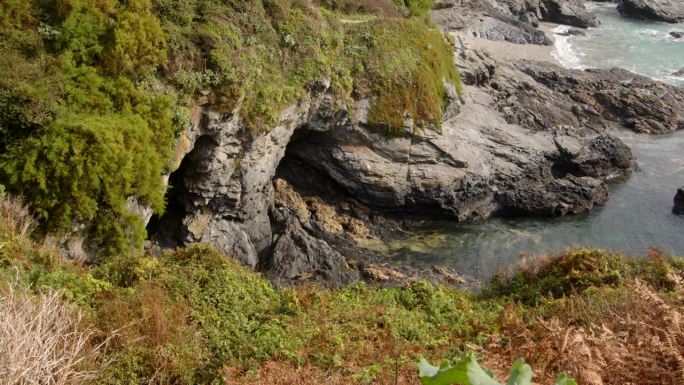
194	316
94	93
469	372
581	270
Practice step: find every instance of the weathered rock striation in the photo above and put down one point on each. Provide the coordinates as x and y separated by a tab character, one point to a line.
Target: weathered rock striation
591	100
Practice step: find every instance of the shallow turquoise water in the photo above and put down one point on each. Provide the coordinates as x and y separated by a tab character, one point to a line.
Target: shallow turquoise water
639	213
637	216
641	46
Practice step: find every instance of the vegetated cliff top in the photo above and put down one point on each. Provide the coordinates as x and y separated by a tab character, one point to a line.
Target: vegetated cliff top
94	93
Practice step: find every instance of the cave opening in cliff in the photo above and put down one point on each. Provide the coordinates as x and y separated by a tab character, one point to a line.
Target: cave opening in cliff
166	230
306	178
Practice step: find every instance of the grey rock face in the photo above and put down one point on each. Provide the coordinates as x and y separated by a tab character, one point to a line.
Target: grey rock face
493	24
570	195
494	29
296	253
594	100
570	12
226	182
477	166
530	18
679	202
671	11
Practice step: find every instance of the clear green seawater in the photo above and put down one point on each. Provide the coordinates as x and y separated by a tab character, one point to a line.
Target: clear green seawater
639	213
644	47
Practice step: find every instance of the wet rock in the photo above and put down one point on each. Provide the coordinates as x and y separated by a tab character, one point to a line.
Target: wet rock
677	34
679	202
576	32
572	32
679	73
601	157
671	11
569	195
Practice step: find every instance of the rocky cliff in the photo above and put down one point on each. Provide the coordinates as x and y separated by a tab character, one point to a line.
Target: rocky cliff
671	11
302	200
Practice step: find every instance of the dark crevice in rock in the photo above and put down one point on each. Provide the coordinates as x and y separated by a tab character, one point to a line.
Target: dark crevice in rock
167	230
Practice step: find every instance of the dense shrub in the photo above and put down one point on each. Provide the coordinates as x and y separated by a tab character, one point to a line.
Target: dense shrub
79	135
194	316
577	270
92	94
562	275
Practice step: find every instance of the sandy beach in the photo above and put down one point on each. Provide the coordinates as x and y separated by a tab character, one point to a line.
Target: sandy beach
503	50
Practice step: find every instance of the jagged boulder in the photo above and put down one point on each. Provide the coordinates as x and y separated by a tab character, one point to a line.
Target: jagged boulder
570	12
296	254
554	98
476	166
679	202
517	32
671	11
491	23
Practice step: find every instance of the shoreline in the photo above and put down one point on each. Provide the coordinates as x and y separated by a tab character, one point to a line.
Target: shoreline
504	50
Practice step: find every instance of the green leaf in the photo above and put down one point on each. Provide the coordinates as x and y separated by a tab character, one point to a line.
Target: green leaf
474	373
466	372
426	370
521	373
563	379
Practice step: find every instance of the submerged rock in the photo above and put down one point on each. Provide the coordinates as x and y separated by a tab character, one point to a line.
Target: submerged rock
679	202
671	11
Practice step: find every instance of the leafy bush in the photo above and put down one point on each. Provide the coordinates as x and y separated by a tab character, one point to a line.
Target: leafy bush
86	137
195	316
562	275
577	270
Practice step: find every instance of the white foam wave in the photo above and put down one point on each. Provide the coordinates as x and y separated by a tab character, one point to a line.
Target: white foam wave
563	51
